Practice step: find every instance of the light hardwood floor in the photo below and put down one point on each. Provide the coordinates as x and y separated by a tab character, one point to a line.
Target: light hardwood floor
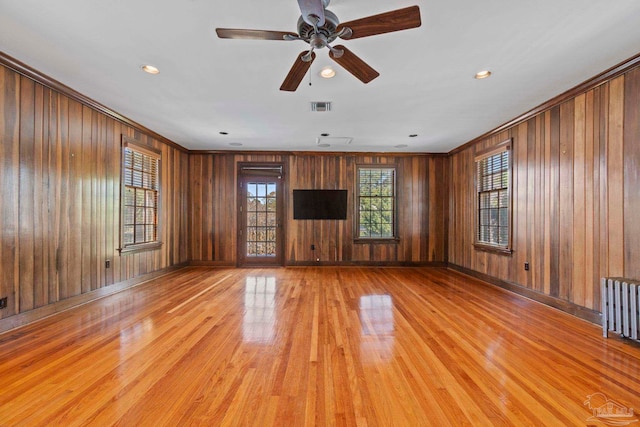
312	346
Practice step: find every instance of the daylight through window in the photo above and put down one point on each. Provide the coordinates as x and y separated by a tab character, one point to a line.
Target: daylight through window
493	198
376	203
262	219
140	196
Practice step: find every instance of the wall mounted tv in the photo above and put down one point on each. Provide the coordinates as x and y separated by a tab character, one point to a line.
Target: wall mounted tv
319	204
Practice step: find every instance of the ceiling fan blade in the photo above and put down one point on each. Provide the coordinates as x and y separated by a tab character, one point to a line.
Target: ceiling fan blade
396	20
312	8
297	72
237	33
356	66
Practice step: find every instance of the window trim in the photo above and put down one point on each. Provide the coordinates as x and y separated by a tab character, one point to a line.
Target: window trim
373	240
503	146
138	146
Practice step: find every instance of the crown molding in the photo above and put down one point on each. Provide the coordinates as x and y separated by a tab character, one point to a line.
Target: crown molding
604	77
43	79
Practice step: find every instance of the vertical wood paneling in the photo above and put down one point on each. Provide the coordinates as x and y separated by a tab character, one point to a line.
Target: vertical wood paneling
554	205
224	230
437	220
53	197
579	192
603	222
632	175
74	216
101	134
87	154
575	197
26	200
40	189
112	198
596	214
529	276
537	279
615	178
546	286
62	226
421	214
589	207
566	199
520	199
9	185
60	192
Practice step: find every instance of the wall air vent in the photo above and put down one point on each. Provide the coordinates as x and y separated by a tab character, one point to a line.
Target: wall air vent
320	106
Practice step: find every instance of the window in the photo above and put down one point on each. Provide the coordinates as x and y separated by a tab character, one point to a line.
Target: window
493	201
376	201
140	196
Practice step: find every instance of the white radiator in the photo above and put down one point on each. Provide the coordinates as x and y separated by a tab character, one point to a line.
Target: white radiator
620	304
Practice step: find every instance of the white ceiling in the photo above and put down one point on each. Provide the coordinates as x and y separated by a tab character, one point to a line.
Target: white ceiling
535	49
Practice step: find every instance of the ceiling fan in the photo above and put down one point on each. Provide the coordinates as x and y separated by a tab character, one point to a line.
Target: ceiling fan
319	27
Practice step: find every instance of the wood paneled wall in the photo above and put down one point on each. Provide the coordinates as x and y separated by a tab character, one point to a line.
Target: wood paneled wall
59	198
422	211
575	199
213	225
576	196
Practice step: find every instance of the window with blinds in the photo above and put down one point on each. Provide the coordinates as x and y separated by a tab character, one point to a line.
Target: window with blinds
140	198
493	208
376	197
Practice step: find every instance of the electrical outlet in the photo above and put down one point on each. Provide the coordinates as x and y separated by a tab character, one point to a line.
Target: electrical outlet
526	266
3	302
107	264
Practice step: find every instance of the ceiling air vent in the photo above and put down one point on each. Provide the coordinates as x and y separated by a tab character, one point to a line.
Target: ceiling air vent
328	141
320	106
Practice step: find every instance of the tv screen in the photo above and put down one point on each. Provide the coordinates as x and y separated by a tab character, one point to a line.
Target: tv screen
319	204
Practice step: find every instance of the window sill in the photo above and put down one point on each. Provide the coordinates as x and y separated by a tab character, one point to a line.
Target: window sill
500	250
374	241
139	248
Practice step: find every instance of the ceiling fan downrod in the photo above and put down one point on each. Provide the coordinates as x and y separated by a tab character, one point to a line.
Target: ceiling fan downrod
319	37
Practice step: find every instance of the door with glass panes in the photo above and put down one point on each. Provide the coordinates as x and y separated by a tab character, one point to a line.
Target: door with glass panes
260	214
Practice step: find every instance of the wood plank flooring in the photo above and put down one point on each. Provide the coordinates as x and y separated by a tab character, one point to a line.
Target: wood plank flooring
312	346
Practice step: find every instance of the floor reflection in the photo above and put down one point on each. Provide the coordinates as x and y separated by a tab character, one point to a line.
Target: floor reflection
259	322
136	336
377	327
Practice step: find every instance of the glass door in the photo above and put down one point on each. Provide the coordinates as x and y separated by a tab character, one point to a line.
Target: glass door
260	213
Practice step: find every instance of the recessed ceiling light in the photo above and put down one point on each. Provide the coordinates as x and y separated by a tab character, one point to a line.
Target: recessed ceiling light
327	72
235	144
482	74
223	133
150	69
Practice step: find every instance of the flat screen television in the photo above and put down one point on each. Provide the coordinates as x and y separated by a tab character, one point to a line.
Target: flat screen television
319	204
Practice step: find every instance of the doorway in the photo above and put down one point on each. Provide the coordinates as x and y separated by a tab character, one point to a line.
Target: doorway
260	214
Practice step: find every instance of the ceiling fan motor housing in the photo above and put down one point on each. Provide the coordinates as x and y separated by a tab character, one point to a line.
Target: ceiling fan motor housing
328	30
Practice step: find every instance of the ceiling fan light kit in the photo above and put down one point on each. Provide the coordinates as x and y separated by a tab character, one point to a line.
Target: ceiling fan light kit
327	73
320	27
